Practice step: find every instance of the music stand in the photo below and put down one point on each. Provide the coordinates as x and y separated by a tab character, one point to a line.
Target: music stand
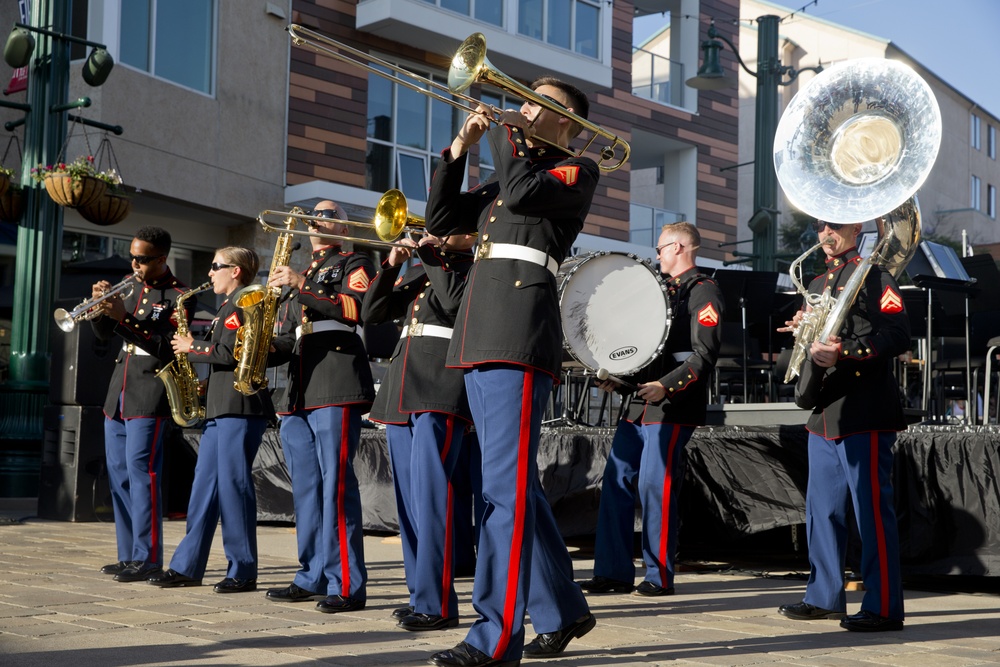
937	267
747	294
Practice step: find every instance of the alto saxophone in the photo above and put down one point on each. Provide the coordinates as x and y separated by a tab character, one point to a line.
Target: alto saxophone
178	376
260	309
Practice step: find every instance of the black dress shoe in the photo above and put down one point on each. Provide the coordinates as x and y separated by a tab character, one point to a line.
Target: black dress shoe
866	621
605	585
552	643
138	570
230	585
466	655
803	611
173	579
425	622
651	590
335	604
402	612
292	593
114	568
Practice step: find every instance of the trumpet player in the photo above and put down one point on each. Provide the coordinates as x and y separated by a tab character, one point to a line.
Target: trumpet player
848	384
234	427
136	409
329	388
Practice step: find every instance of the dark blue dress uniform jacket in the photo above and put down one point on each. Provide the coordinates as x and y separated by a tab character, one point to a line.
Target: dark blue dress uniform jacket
222	399
510	312
696	305
417	380
149	324
859	393
327	367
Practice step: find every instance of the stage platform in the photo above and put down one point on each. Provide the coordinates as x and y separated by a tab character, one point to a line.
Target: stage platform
741	482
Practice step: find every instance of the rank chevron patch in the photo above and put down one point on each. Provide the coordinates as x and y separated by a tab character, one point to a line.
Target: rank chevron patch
890	302
358	280
233	321
708	316
567	175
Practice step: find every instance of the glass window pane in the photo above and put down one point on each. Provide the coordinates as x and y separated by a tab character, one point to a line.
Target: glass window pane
587	17
134	34
490	11
460	6
413	176
559	23
529	18
411	119
485	155
184	39
378	167
445	123
379	107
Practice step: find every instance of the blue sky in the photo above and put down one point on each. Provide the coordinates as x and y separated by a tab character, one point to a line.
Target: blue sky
958	40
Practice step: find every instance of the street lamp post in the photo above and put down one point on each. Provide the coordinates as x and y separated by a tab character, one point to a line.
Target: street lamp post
769	74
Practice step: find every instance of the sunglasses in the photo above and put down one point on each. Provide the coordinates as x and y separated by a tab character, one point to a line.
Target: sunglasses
218	267
329	213
820	224
665	245
144	259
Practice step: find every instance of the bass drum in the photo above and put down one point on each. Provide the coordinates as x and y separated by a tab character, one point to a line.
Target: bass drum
615	311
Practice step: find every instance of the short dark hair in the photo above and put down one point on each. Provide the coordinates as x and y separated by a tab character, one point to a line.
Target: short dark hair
577	98
157	237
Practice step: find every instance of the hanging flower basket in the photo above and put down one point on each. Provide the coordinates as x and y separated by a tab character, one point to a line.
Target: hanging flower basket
108	209
12	204
73	192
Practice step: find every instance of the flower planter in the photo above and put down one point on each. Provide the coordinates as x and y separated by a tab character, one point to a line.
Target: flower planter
73	193
12	205
108	209
4	183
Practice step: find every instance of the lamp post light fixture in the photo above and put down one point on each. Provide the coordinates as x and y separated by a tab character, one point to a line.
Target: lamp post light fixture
769	74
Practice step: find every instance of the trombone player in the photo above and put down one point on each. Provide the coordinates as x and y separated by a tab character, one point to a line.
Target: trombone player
508	338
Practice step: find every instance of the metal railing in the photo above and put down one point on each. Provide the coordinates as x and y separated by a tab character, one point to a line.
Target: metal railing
645	223
652	76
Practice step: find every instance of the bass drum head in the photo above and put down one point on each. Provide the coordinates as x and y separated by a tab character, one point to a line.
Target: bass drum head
615	311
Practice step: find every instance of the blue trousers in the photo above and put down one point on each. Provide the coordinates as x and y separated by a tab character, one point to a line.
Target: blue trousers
647	463
423	455
523	563
319	448
856	469
134	452
223	488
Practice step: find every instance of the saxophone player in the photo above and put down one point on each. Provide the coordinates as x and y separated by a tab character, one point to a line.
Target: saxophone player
848	384
136	419
234	427
329	389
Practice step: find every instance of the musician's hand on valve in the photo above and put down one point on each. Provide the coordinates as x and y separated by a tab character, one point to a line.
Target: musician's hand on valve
825	355
182	344
99	289
283	276
401	254
653	392
793	324
113	307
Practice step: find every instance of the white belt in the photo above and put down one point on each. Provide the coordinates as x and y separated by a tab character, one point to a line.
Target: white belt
132	348
682	356
325	325
490	250
420	329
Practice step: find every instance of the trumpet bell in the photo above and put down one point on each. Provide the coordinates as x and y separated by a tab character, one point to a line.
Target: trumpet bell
858	140
392	217
468	62
64	320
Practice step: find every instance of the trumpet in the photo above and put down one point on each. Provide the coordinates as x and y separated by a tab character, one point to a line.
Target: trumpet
391	220
469	65
89	309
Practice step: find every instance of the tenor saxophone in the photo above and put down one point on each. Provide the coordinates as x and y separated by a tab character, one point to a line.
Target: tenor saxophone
260	309
178	376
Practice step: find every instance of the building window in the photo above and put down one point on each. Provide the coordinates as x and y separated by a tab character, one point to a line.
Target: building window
991	141
487	11
570	24
991	201
974	131
171	39
407	131
975	193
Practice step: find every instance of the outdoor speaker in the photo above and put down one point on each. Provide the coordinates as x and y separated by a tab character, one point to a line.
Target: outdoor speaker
74	481
82	365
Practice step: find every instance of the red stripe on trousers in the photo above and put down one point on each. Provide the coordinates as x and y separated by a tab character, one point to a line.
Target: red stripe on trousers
520	501
446	589
154	535
883	559
665	506
345	561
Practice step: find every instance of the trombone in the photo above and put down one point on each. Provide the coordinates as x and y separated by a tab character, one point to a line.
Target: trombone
391	221
88	310
469	65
